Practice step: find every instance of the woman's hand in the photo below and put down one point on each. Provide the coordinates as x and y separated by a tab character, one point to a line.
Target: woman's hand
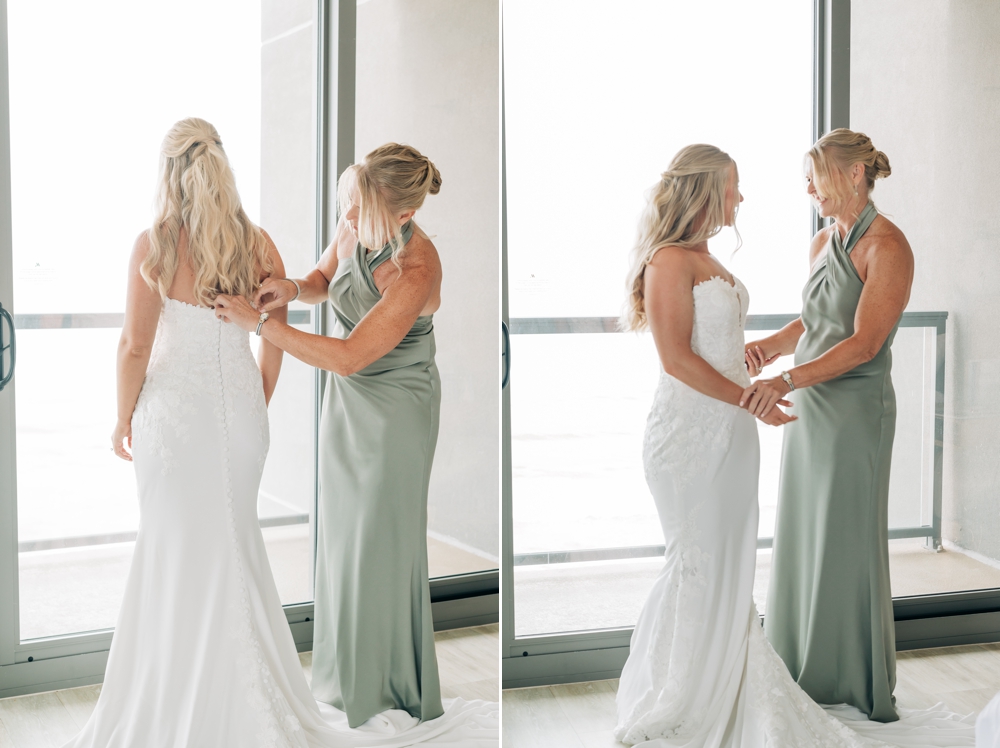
279	292
761	396
121	435
237	310
778	417
756	359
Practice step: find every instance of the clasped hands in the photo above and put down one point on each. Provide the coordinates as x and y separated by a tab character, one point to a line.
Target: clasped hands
761	398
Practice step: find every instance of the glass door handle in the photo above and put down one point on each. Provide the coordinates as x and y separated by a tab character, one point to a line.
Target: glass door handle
505	354
7	320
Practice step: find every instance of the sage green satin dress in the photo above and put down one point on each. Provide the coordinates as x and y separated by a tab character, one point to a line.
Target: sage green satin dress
373	637
829	606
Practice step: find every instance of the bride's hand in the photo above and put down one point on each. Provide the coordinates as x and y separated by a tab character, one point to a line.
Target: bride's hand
761	396
756	359
237	310
778	417
280	291
121	435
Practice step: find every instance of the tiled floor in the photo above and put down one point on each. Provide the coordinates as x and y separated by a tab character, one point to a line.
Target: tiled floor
468	660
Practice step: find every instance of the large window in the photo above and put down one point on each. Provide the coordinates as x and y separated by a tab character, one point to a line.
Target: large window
620	93
93	90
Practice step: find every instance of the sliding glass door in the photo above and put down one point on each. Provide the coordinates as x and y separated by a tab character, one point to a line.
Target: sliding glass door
85	141
92	91
620	93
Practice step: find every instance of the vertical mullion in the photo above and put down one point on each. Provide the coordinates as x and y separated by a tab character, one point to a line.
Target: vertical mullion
831	72
507	519
319	314
819	87
336	54
9	620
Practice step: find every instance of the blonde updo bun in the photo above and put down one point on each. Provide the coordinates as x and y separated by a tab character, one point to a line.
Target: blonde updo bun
881	168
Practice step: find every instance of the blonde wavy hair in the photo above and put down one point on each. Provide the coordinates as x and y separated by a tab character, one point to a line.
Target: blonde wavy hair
686	207
391	180
832	156
196	190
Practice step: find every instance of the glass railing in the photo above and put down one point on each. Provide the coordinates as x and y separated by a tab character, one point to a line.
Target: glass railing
584	526
918	377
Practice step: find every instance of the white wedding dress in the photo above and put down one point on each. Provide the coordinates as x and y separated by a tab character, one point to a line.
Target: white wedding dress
700	672
202	656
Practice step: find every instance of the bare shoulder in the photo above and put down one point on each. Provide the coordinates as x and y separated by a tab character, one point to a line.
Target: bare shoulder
421	254
141	246
344	240
889	238
819	242
273	255
676	263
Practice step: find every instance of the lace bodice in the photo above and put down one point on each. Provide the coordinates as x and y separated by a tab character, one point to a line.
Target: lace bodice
192	354
720	312
685	425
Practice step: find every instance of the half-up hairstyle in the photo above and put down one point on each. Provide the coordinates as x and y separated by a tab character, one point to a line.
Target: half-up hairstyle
686	207
197	190
390	180
835	153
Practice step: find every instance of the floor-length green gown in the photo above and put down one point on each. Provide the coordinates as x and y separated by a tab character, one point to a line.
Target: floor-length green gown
373	637
829	606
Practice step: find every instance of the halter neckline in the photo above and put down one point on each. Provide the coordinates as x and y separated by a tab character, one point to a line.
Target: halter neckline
858	230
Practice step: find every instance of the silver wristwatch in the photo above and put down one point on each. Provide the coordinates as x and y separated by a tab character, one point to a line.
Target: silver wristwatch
785	377
261	320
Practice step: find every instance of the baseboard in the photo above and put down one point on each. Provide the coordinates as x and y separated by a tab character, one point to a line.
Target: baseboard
563	667
51	675
938	628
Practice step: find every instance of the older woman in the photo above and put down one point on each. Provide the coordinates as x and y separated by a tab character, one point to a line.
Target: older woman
373	638
829	607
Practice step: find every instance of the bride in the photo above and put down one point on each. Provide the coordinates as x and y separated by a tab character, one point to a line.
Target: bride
202	654
700	671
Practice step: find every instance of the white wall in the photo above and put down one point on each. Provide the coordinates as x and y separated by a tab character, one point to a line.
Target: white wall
925	85
428	75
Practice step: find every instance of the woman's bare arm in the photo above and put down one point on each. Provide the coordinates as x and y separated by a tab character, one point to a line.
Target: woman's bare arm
884	297
269	355
315	285
379	331
142	312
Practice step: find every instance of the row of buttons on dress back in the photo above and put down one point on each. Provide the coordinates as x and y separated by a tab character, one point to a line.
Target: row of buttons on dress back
256	655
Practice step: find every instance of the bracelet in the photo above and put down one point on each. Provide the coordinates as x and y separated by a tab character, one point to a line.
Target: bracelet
297	289
787	379
264	316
